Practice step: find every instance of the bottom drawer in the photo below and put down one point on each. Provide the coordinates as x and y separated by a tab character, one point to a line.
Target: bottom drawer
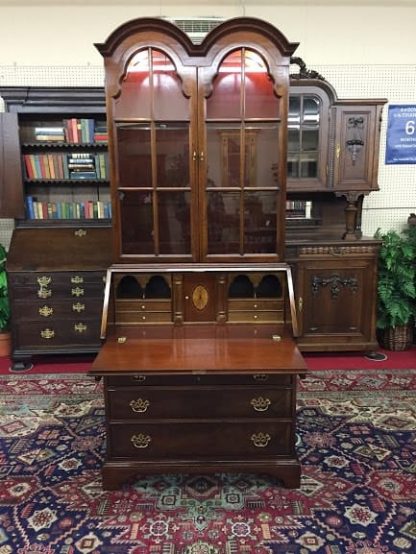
56	333
205	439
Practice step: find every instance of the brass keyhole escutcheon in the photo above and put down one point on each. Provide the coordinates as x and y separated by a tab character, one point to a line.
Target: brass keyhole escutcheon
200	297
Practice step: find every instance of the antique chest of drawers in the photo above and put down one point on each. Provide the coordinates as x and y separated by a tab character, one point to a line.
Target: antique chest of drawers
189	400
56	290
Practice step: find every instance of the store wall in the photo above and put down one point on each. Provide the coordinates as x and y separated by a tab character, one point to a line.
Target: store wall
364	51
64	34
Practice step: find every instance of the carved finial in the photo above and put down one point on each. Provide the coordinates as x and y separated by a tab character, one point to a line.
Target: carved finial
304	72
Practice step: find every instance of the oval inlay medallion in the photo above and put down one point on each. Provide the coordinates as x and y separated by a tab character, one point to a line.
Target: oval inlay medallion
200	297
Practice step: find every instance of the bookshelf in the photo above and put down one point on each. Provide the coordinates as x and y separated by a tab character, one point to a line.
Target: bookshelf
56	187
63	169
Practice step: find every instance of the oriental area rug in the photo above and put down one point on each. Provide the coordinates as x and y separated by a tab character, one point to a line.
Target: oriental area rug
356	440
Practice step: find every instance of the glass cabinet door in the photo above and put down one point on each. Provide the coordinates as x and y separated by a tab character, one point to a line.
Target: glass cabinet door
199	150
307	139
241	195
303	136
152	138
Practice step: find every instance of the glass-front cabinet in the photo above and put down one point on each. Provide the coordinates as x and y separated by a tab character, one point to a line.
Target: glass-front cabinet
200	145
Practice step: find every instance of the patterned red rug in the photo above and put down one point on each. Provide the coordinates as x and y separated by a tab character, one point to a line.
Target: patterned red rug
356	442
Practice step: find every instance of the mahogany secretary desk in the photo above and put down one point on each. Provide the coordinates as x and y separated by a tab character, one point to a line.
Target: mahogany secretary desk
199	360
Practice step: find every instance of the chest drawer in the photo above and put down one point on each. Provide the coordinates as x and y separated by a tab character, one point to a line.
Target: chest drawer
201	440
58	278
142	379
143	317
57	333
254	317
250	304
202	402
52	308
58	284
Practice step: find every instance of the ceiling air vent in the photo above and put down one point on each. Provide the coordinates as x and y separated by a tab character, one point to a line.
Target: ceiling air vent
196	28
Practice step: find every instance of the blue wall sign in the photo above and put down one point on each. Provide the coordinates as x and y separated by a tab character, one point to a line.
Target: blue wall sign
401	134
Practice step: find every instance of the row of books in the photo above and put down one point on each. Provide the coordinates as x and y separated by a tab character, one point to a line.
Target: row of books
63	166
90	209
74	131
298	209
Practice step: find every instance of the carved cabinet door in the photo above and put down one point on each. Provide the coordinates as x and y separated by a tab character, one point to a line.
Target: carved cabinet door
199	297
336	302
356	147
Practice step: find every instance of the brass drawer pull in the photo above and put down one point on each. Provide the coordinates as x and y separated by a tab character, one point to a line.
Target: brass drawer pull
47	334
80	233
44	293
139	405
141	441
44	281
77	292
77	279
80	327
78	307
260	377
260	404
260	440
140	378
46	311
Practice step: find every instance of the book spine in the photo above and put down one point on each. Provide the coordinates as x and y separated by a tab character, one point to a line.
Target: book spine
30	208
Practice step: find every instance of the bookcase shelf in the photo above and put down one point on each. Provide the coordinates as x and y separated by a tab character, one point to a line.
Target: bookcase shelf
60	145
67	181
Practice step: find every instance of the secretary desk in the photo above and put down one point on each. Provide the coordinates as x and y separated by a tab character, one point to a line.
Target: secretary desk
199	359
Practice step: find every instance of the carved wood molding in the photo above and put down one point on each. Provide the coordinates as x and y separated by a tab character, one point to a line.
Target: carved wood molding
338	250
304	72
335	283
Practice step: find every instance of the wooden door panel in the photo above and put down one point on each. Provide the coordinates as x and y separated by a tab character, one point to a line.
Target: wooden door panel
337	297
199	297
357	138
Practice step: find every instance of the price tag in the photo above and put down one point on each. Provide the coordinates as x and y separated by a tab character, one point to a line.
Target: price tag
401	134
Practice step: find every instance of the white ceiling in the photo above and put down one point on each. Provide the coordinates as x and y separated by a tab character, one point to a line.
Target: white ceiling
161	3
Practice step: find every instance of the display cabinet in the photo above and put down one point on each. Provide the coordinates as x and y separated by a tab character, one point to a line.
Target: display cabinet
199	157
199	359
333	156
